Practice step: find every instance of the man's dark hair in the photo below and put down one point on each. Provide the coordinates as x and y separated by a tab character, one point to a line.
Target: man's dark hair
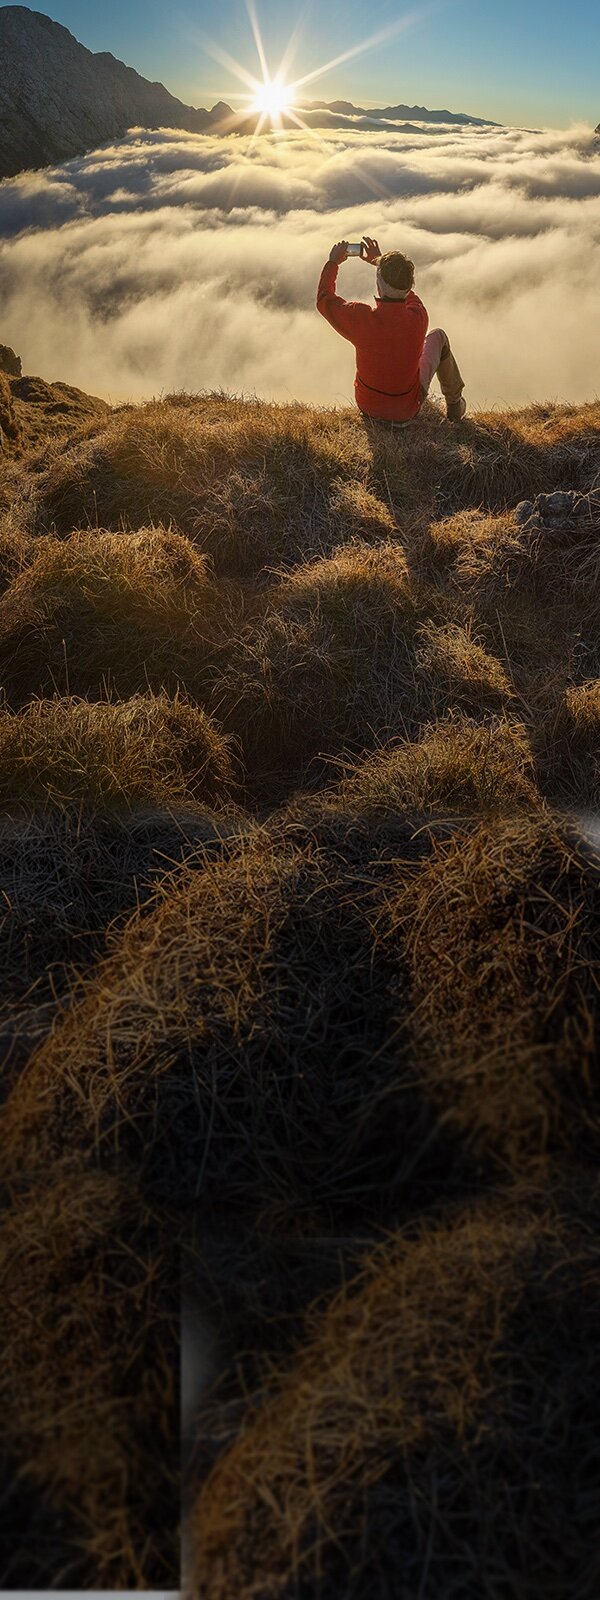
397	270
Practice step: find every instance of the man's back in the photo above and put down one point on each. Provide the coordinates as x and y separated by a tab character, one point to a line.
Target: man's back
388	337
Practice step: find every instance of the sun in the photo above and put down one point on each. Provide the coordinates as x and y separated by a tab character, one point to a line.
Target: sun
272	98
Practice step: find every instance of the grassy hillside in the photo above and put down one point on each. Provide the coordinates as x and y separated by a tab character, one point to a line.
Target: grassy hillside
299	934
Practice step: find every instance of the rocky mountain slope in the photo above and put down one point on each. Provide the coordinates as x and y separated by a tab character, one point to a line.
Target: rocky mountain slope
58	99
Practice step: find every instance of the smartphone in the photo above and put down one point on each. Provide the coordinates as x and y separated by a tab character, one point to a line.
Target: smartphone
355	249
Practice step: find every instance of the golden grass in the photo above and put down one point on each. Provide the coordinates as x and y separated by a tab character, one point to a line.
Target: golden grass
323	659
65	875
311	1024
338	662
258	483
88	1316
501	933
505	457
147	750
104	613
341	663
15	547
532	596
328	665
457	767
243	479
462	669
254	1057
500	557
448	1380
570	740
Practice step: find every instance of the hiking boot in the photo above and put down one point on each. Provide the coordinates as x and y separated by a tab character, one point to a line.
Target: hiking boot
457	410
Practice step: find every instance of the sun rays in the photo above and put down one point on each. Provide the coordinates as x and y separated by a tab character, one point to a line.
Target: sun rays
274	102
275	99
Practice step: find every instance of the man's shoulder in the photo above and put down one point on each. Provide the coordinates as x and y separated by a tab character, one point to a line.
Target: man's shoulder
357	310
414	303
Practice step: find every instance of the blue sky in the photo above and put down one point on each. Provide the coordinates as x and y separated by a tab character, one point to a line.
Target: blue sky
528	61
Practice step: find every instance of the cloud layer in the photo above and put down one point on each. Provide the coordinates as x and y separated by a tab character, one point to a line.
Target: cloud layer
174	260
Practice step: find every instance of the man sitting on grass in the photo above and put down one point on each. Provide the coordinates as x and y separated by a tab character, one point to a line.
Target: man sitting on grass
396	359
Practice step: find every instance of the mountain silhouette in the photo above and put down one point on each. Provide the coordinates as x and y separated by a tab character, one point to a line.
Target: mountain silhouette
400	113
58	99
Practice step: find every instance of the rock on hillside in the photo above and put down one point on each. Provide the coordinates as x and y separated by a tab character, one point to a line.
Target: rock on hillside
58	99
32	411
9	362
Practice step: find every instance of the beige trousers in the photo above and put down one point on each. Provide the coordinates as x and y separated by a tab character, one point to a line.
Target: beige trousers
437	358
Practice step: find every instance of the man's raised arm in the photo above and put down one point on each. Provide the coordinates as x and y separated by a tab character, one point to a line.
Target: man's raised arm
342	314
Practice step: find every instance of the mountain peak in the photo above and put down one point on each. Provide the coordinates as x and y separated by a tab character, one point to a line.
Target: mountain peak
59	99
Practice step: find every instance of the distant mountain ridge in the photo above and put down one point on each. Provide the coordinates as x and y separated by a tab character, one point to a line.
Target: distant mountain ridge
58	99
399	113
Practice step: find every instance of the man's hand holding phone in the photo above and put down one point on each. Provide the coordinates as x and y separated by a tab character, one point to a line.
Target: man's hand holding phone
368	250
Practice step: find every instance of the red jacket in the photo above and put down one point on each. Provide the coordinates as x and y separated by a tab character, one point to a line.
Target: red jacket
388	338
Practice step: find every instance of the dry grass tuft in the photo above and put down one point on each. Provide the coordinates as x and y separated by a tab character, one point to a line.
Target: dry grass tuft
445	542
253	1058
501	932
454	1375
339	586
570	759
465	674
247	481
497	556
531	592
457	767
361	514
65	876
110	613
493	461
504	457
339	662
328	666
15	548
89	1309
145	751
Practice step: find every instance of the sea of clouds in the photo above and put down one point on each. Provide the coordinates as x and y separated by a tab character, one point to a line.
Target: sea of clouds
178	261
